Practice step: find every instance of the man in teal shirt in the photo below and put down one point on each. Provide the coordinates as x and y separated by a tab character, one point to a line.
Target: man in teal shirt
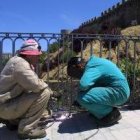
102	87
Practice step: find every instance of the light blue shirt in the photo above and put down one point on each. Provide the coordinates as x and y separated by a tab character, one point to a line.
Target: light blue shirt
100	72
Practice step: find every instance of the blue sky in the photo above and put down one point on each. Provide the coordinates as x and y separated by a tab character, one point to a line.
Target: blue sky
48	16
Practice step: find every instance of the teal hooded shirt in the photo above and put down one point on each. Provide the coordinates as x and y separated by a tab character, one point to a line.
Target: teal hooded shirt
100	72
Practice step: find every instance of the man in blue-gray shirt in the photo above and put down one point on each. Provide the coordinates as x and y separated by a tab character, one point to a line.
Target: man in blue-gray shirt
102	87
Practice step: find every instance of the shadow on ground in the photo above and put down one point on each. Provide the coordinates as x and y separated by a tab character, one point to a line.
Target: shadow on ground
5	134
79	122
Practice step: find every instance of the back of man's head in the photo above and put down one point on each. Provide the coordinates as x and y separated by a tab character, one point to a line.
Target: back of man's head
75	67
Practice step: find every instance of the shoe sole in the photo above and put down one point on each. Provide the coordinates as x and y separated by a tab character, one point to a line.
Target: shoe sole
108	124
25	136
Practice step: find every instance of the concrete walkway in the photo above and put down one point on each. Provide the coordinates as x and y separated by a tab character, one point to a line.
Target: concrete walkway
81	126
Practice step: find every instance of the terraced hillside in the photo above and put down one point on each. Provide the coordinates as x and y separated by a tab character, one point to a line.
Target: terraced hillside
59	71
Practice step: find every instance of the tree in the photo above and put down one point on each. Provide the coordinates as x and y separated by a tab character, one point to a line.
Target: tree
53	47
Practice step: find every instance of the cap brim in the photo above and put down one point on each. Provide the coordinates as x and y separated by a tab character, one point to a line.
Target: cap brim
33	52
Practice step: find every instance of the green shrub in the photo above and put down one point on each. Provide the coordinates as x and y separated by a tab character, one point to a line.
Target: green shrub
67	55
42	57
130	69
4	61
53	47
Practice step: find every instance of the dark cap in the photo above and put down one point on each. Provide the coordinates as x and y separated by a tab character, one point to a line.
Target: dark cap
73	70
75	61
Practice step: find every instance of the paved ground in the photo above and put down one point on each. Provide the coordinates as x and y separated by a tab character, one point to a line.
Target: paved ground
82	127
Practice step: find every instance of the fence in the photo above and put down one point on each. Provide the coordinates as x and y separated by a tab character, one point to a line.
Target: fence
58	48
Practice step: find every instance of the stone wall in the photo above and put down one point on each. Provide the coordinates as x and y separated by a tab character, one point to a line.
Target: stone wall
117	17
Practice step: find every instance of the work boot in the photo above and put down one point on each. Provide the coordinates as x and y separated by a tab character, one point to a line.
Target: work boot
113	117
33	134
9	125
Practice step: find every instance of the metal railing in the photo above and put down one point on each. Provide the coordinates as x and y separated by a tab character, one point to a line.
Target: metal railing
58	48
